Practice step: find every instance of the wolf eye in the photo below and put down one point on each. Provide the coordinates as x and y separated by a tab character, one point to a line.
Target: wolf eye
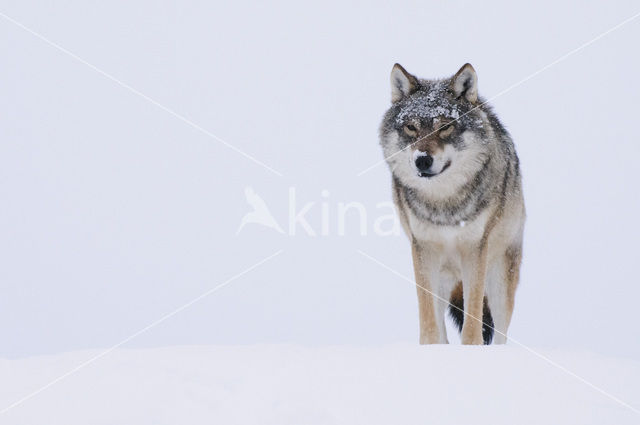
446	131
410	129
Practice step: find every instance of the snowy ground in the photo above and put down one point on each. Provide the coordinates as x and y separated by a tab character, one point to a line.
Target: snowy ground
285	384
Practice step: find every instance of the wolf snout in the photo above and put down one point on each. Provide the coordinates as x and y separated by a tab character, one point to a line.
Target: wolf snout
427	165
424	163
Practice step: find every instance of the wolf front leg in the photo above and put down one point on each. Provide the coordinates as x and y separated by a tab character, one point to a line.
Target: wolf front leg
431	332
501	291
474	270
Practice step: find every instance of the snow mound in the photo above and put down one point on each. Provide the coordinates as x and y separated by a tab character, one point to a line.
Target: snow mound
281	384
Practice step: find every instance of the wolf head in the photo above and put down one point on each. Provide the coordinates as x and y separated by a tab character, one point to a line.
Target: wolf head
436	135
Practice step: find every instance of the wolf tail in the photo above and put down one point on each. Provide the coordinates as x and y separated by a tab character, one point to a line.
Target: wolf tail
456	311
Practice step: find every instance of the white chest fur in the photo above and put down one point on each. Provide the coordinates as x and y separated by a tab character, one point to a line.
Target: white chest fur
444	242
462	233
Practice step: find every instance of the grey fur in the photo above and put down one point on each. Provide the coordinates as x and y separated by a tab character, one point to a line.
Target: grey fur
465	216
500	171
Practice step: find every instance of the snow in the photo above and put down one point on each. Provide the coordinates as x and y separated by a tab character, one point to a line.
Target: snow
431	104
289	384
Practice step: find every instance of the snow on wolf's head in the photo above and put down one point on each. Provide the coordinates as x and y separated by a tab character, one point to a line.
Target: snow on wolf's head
436	133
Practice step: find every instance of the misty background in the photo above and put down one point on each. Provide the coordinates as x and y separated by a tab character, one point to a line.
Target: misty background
114	212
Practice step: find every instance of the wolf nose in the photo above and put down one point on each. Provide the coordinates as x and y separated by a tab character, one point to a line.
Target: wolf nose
423	163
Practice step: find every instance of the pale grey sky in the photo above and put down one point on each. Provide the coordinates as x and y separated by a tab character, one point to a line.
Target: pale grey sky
116	212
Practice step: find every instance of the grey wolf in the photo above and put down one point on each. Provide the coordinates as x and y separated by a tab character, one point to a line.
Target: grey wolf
457	187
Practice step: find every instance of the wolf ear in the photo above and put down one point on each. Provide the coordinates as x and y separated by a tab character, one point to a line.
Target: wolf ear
465	83
402	83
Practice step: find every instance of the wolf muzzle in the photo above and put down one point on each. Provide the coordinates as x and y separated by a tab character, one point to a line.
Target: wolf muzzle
423	164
